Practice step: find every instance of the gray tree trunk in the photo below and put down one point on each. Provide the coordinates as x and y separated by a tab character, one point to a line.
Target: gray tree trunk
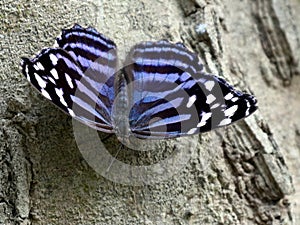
247	173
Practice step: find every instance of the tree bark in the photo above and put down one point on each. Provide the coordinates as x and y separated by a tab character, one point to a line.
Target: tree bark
246	173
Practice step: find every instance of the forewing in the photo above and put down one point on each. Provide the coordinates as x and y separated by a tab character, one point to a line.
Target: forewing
173	96
93	52
78	77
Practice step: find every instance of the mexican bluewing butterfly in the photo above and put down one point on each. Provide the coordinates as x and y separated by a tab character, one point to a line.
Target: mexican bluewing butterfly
162	91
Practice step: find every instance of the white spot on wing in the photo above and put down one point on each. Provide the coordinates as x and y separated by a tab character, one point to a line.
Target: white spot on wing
247	112
204	118
40	66
26	69
192	131
51	80
59	93
225	122
209	85
210	98
230	111
27	73
201	124
40	81
248	104
191	101
71	112
215	106
53	59
69	80
248	107
36	67
54	73
234	99
228	96
46	94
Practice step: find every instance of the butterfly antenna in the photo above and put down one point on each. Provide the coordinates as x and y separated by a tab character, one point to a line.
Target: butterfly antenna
114	158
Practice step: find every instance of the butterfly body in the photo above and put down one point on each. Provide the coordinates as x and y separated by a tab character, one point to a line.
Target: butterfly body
120	112
162	91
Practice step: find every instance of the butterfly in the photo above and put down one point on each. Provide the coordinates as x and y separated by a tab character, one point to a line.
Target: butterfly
161	91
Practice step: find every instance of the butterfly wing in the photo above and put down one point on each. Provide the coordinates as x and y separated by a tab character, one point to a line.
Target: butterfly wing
93	52
77	76
173	96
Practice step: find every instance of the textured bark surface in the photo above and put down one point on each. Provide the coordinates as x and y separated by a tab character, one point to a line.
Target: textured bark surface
247	173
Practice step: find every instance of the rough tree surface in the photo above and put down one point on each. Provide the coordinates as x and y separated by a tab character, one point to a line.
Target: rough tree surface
253	172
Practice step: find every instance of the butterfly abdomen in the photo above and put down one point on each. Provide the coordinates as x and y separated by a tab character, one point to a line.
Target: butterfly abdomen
120	111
